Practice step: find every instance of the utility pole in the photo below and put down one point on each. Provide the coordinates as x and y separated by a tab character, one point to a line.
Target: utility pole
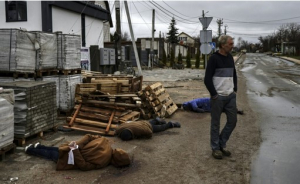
133	40
118	35
220	23
161	46
150	63
225	31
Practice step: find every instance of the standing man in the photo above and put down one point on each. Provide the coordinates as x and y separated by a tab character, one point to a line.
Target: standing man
221	82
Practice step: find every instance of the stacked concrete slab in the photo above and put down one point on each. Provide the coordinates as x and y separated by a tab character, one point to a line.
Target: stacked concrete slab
53	78
35	106
17	53
65	90
25	51
6	117
67	86
46	50
69	55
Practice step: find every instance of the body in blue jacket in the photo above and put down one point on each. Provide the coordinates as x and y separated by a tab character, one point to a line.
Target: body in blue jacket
197	105
201	105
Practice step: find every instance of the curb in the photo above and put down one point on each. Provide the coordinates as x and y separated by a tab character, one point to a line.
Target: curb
287	59
239	56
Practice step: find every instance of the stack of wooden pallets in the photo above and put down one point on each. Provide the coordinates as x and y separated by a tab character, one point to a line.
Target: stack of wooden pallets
156	102
110	84
104	102
102	113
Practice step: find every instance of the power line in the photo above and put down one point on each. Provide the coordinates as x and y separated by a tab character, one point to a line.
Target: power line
173	15
256	22
247	33
140	14
178	11
78	17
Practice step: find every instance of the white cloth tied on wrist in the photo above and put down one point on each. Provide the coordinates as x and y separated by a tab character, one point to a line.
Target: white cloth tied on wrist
71	155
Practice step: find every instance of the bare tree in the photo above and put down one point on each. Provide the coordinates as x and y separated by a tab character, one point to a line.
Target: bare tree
125	36
289	33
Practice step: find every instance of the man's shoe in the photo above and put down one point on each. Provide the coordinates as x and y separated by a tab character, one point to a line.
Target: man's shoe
176	125
36	144
225	152
241	112
217	154
30	145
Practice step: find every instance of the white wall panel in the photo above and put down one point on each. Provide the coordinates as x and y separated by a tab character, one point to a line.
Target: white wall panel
66	21
94	32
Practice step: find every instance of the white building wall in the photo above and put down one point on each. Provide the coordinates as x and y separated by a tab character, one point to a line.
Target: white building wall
93	27
183	50
94	32
34	17
66	21
168	47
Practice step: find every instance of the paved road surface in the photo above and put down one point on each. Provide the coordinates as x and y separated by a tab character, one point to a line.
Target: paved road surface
274	91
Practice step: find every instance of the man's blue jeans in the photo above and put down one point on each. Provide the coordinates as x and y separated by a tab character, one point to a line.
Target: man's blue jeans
50	153
157	127
225	104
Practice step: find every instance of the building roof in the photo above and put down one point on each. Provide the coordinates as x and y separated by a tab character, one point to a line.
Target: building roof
185	34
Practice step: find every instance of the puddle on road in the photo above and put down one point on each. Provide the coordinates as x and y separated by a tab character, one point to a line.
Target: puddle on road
277	160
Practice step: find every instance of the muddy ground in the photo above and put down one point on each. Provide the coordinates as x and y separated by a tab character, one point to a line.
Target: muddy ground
178	155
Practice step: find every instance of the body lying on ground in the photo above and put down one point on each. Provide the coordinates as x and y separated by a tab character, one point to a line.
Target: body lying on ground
201	105
90	152
144	129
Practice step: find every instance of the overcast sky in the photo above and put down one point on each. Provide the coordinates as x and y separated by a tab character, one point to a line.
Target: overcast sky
245	19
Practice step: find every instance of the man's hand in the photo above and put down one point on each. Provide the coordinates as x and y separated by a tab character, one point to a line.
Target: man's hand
215	97
73	145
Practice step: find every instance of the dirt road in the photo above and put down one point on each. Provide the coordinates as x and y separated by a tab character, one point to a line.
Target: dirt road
178	155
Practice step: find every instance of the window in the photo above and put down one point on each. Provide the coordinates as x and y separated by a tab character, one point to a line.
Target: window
16	11
182	38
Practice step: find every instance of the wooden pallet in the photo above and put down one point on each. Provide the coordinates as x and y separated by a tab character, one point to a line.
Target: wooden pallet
159	100
88	88
129	83
145	113
7	149
46	72
102	119
133	116
86	124
69	71
90	73
21	141
90	129
17	75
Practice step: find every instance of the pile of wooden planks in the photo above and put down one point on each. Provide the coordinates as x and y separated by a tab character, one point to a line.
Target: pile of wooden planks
156	102
109	84
100	113
86	73
127	83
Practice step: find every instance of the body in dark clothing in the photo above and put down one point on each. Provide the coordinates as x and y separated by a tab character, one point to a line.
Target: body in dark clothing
143	129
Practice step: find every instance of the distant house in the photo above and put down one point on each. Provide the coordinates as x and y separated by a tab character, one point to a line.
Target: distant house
86	18
185	39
